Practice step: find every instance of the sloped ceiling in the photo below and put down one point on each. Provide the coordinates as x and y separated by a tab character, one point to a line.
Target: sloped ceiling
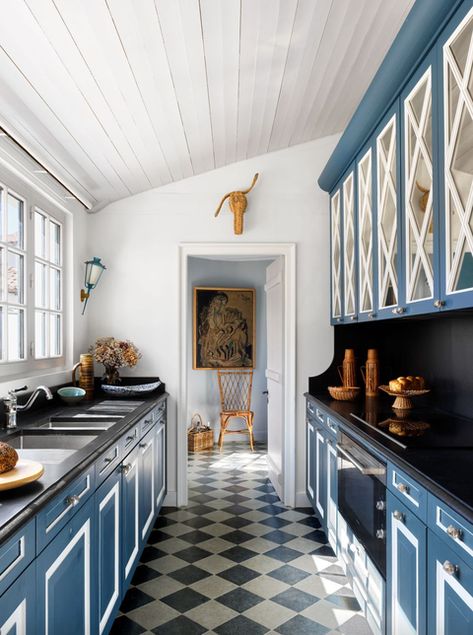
119	96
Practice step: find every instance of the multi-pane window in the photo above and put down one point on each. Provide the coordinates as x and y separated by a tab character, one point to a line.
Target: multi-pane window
47	285
12	277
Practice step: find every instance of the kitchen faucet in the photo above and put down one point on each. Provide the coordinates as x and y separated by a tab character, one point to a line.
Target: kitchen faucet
11	403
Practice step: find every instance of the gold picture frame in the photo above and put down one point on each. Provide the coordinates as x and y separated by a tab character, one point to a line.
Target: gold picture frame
224	328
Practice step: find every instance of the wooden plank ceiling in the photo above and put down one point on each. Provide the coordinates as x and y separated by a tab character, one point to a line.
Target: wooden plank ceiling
119	96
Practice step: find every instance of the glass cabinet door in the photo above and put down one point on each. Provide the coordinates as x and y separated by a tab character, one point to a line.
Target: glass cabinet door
387	215
336	218
458	157
418	192
365	236
349	245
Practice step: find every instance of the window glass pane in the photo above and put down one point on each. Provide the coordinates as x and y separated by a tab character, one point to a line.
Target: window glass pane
2	213
40	235
40	334
15	224
55	334
16	333
15	279
2	333
55	243
40	273
55	289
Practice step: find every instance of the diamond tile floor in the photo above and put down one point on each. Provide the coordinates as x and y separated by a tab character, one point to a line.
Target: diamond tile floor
237	561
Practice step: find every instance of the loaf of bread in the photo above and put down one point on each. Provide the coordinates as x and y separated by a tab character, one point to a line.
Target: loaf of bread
8	457
407	383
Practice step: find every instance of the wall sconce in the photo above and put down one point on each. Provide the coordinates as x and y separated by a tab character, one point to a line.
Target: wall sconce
93	272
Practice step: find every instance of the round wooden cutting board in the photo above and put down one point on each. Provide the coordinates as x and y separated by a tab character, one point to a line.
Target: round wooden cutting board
25	471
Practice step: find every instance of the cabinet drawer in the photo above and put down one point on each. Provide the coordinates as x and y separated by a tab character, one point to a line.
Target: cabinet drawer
147	422
408	491
107	463
130	439
16	554
452	527
315	412
160	411
332	424
60	510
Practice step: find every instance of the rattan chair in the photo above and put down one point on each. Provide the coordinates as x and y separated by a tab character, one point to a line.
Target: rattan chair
235	401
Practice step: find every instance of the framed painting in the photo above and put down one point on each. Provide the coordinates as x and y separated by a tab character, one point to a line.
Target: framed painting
224	328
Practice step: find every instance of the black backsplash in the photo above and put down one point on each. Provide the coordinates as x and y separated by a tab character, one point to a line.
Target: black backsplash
439	348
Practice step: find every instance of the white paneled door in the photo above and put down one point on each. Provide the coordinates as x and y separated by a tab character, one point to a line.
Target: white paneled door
274	289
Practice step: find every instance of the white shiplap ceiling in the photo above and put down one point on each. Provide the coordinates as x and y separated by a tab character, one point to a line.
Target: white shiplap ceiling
119	96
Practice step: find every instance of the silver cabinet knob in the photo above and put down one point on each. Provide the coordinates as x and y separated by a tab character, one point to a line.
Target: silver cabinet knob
454	532
143	445
399	310
450	568
371	315
403	488
380	534
353	318
125	468
398	516
380	505
438	304
72	501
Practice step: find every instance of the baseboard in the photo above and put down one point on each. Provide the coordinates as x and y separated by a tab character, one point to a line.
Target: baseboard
275	477
302	500
170	500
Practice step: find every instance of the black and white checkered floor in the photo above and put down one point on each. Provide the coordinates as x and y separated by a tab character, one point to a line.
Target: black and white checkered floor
236	561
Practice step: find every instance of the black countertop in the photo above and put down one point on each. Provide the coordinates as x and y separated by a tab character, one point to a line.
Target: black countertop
18	506
445	472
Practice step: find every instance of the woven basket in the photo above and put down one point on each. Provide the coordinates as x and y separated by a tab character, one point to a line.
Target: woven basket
199	440
344	393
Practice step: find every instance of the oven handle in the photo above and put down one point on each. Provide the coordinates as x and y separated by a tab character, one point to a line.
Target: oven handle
364	469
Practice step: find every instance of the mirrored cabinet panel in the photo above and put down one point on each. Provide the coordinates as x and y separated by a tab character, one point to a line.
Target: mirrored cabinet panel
387	221
365	235
349	245
336	238
418	207
458	157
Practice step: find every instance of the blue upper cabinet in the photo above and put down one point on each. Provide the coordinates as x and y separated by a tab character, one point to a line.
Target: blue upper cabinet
336	238
454	51
388	231
420	202
366	252
349	248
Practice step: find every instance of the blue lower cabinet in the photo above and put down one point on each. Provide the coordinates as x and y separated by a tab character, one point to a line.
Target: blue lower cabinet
67	579
332	493
406	570
450	601
130	515
160	465
108	521
147	458
18	605
310	465
321	475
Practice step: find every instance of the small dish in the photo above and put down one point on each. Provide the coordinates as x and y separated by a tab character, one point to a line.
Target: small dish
71	394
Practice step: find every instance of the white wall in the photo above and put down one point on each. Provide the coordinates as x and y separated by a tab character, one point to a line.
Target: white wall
203	395
138	239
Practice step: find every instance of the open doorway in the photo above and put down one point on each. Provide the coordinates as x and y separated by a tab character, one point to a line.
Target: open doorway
244	266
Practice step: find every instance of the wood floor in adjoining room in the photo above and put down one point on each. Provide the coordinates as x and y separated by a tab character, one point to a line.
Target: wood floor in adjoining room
237	561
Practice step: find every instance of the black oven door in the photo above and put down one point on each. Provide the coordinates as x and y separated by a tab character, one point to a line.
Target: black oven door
362	497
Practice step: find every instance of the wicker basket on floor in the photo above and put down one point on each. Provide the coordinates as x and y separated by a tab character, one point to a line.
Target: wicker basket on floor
198	439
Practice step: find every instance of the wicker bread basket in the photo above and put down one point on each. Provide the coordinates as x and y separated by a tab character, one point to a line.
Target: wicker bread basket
344	393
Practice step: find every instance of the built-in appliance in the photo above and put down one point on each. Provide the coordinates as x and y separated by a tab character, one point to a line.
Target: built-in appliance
362	497
419	428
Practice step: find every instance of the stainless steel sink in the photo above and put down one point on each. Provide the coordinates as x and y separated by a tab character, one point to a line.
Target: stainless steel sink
46	446
98	425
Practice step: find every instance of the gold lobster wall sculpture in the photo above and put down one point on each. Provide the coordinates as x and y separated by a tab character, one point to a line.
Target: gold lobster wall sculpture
238	204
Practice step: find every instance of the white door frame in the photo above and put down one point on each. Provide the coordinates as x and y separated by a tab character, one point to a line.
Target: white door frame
243	250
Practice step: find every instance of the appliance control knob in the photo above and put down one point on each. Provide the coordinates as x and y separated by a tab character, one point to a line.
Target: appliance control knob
380	534
450	568
380	505
398	516
454	532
